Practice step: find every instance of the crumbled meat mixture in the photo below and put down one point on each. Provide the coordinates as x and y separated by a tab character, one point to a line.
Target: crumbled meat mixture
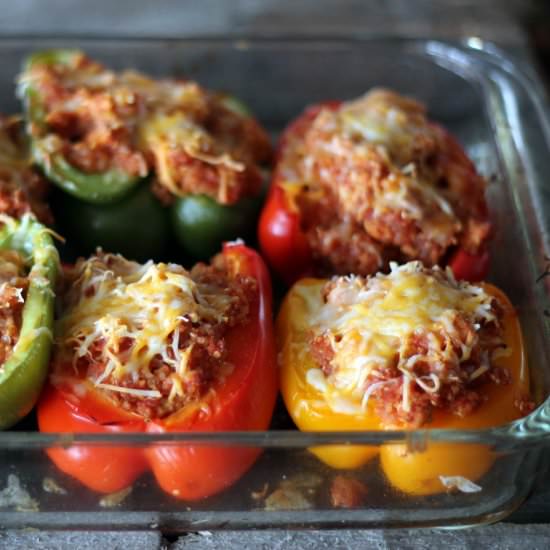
381	183
341	247
13	288
100	120
22	189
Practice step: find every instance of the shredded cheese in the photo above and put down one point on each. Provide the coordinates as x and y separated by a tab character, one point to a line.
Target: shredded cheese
371	325
134	312
164	133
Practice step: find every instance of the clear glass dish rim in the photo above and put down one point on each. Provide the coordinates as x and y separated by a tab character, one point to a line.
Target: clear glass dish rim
531	431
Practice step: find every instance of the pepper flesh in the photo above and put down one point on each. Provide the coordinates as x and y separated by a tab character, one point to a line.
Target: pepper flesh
23	374
245	401
411	472
200	224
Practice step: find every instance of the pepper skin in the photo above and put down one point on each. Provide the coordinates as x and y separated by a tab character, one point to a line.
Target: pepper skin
283	241
244	401
280	235
23	374
137	226
200	224
413	473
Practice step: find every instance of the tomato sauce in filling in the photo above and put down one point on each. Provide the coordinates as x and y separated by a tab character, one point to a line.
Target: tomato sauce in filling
376	181
22	190
164	352
13	290
100	120
413	341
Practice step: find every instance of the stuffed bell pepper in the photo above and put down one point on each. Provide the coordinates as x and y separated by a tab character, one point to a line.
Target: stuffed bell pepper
28	270
411	349
157	349
140	160
22	189
361	183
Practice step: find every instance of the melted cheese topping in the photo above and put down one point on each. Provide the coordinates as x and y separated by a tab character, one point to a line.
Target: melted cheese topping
164	133
162	116
134	311
371	325
393	129
394	122
381	156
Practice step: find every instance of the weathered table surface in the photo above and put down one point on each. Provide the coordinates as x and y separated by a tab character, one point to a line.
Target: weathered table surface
528	527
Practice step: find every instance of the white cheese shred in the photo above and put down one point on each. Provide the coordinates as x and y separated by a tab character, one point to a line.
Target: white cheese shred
462	484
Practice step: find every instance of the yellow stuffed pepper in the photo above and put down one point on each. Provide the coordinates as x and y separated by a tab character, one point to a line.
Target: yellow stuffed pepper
411	349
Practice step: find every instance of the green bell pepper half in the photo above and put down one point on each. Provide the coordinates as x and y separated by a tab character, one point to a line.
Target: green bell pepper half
113	210
24	372
97	188
140	228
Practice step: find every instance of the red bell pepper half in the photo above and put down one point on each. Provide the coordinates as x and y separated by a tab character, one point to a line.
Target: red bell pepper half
283	242
244	401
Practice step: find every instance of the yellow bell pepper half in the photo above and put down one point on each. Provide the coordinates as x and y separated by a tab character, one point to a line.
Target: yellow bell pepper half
416	473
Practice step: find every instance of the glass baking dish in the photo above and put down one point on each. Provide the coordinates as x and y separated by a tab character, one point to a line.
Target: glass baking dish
497	114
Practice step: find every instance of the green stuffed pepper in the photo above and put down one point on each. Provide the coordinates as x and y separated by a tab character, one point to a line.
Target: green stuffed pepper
103	183
22	189
174	159
28	271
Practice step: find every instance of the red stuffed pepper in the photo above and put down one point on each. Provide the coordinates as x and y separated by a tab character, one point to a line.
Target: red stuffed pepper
155	348
366	182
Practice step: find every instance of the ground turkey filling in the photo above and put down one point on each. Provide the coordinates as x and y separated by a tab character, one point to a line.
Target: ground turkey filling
411	341
22	190
151	336
375	181
101	120
13	290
